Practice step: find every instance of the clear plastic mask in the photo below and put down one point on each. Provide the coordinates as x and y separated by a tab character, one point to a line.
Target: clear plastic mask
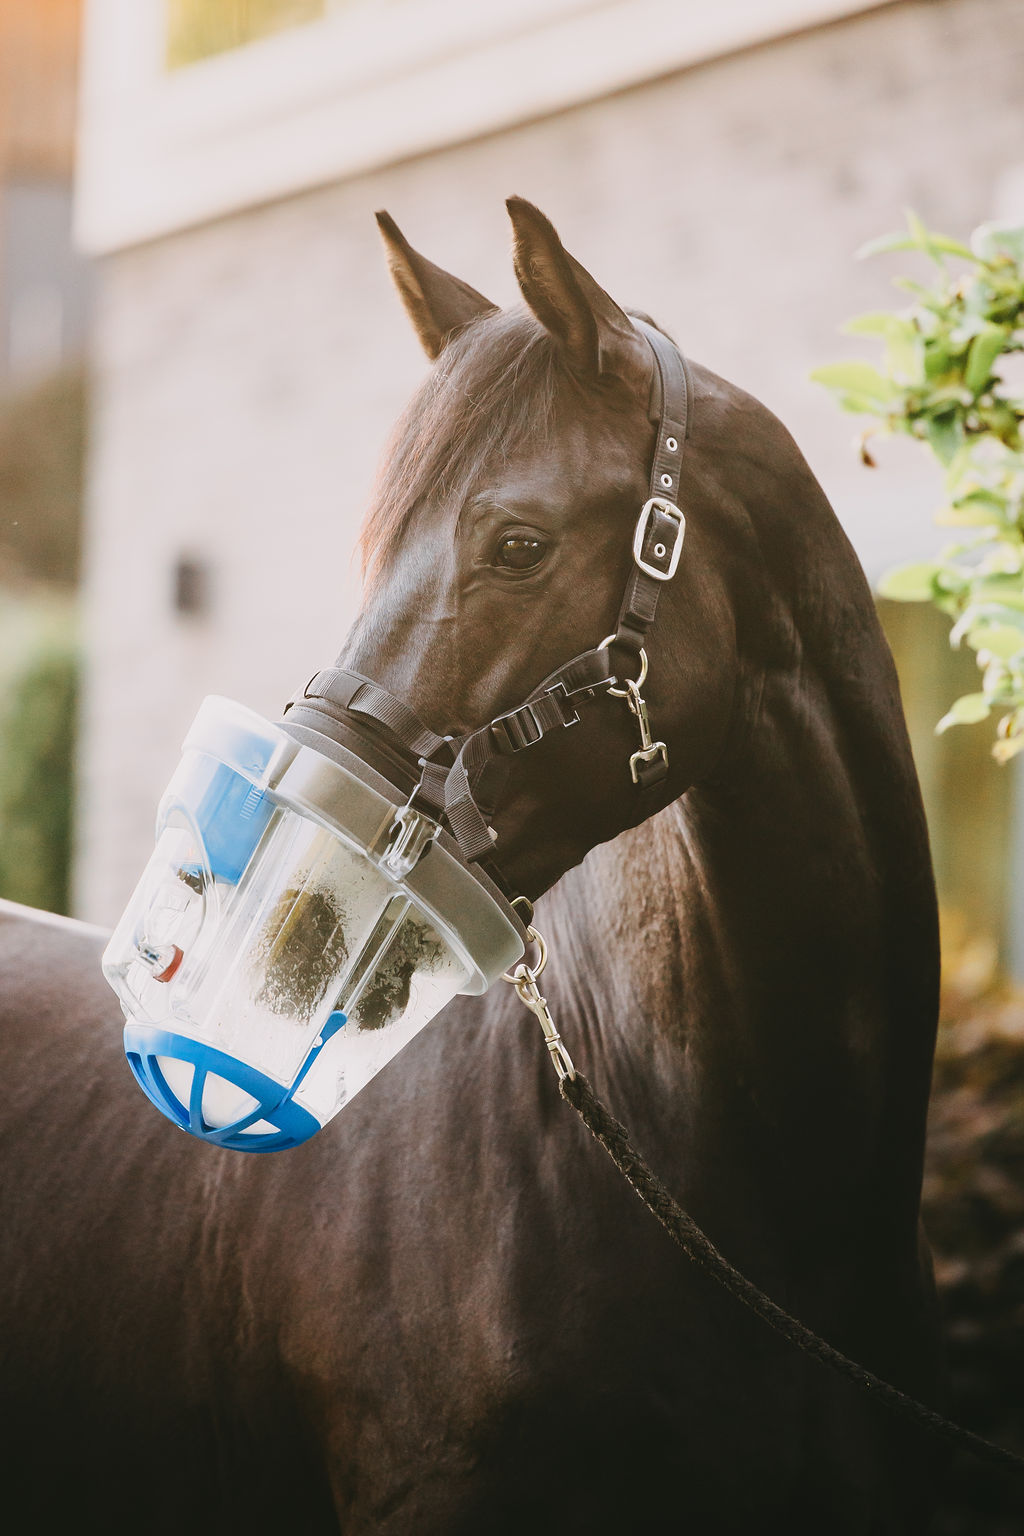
278	951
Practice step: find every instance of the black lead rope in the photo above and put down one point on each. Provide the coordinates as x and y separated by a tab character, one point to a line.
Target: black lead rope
699	1248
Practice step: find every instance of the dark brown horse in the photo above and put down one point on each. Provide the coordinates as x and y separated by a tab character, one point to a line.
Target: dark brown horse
447	1313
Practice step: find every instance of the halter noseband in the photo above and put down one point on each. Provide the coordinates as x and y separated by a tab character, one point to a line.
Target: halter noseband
458	777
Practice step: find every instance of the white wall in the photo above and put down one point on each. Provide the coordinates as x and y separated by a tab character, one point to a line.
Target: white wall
372	82
247	370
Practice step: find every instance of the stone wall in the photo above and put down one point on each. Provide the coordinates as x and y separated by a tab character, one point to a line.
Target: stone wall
247	372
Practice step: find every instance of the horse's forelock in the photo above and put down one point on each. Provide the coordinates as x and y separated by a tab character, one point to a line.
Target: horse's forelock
491	388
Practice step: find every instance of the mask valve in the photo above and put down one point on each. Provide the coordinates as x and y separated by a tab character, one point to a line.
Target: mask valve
162	960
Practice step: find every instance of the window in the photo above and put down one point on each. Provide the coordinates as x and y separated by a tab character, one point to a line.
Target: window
197	29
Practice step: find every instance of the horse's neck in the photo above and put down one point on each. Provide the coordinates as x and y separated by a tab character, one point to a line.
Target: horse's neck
766	948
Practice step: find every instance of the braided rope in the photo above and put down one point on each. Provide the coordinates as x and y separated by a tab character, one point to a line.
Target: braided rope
701	1251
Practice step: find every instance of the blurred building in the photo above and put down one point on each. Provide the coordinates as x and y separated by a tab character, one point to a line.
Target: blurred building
44	293
716	165
43	282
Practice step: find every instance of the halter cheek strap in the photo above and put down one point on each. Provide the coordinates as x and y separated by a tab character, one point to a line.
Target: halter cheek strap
461	781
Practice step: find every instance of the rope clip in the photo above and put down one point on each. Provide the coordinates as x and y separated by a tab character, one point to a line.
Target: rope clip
652	755
524	979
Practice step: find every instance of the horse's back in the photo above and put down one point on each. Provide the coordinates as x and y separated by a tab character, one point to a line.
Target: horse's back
131	1396
418	1322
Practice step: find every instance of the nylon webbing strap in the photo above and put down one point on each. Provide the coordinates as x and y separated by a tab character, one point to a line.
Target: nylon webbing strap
478	775
463	794
361	696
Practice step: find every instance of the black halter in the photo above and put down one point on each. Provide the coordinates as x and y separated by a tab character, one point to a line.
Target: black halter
460	780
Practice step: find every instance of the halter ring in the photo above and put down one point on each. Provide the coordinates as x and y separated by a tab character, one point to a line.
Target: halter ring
525	973
637	682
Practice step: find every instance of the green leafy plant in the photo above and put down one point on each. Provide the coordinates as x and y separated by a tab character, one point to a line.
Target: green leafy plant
37	714
942	380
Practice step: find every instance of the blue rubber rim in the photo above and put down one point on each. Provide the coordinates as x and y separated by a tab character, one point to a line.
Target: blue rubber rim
293	1125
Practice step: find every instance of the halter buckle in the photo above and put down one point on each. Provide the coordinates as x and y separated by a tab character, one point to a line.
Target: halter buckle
524	727
671	511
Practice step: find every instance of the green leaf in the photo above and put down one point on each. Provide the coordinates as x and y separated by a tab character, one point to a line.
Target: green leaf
971	513
904	355
916	226
910	583
1008	748
1004	641
861	405
967	710
994	613
919	239
937	358
945	434
939	401
929	240
998	238
883	243
984	501
910	286
857	378
1007	591
984	350
950	583
948	247
877	322
965	331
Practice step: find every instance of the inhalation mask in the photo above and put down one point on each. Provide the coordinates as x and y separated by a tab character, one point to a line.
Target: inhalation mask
294	928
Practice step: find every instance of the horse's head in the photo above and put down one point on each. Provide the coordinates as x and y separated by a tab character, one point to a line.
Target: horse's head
500	544
529	508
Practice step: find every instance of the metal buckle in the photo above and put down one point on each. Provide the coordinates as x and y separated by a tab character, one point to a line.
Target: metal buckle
670	509
562	691
510	728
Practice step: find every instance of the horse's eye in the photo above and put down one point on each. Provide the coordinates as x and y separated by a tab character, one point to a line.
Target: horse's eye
517	553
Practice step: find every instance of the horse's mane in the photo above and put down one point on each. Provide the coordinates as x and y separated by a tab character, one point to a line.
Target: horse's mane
491	386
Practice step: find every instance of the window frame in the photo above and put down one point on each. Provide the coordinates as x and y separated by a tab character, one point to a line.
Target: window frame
372	83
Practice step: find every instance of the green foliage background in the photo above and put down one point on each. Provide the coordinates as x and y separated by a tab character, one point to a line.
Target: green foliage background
37	724
945	377
42	436
943	380
42	449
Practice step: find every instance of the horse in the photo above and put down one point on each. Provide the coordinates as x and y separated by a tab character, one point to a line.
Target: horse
447	1313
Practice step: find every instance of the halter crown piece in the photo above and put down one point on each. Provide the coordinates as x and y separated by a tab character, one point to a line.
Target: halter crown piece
460	781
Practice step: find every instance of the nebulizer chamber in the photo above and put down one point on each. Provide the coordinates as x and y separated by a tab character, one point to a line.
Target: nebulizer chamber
280	947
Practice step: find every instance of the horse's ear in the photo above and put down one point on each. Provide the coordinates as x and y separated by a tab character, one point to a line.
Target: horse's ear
598	337
437	303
